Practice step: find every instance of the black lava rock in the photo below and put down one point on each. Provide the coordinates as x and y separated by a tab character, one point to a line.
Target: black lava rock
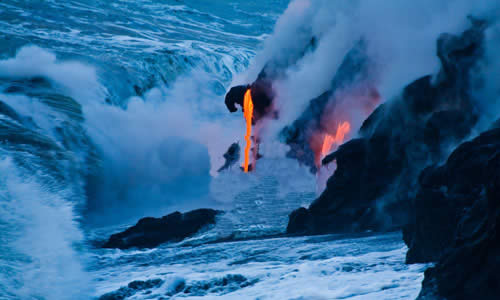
232	156
456	223
262	98
452	198
221	286
131	289
299	220
262	88
151	232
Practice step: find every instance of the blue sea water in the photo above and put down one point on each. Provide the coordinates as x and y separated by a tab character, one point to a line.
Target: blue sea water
113	110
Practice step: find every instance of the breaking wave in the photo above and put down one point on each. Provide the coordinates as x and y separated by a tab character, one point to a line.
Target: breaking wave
113	112
104	119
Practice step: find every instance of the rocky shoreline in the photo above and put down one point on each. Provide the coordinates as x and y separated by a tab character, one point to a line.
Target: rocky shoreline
151	232
399	175
393	177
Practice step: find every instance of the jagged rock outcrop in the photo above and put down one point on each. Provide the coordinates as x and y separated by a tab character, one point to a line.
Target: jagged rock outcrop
262	98
232	156
262	88
456	222
150	232
179	288
371	187
452	198
132	288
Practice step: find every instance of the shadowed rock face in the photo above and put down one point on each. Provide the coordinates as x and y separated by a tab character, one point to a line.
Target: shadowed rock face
235	96
151	232
451	198
232	156
456	222
132	288
261	89
372	186
262	98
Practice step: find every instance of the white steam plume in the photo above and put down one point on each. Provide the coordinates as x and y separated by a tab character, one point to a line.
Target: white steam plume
400	37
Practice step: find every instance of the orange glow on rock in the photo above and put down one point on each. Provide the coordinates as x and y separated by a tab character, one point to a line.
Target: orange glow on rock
322	143
248	115
330	140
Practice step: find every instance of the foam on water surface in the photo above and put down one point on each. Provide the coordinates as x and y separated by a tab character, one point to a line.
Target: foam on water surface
116	85
321	267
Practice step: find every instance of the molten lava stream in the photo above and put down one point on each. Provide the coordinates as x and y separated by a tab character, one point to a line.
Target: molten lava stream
248	115
330	143
329	140
327	145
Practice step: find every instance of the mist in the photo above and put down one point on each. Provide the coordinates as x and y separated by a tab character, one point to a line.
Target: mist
400	39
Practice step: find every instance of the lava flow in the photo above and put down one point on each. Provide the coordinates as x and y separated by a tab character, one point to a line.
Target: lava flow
248	115
338	139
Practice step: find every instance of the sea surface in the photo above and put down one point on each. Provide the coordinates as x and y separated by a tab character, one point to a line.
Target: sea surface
113	110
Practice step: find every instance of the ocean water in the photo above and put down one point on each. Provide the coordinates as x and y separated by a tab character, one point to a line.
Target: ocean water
322	267
113	110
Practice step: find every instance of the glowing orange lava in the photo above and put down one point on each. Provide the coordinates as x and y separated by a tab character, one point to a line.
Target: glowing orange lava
338	139
248	115
327	145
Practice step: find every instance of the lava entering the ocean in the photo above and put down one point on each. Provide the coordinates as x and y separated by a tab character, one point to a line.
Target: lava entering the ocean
330	140
248	115
323	143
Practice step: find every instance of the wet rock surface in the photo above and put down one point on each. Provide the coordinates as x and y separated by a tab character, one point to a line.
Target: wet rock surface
232	156
178	287
262	87
262	98
132	288
221	286
456	223
151	232
452	198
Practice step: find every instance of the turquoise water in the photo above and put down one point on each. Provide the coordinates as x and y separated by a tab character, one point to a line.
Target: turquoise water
115	111
142	42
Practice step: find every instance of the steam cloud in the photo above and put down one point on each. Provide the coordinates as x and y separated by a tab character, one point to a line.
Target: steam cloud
400	37
137	141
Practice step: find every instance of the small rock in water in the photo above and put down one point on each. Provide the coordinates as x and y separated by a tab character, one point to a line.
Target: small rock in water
150	232
232	156
221	286
131	289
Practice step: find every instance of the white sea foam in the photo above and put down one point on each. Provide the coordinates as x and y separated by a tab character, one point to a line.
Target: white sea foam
42	254
324	267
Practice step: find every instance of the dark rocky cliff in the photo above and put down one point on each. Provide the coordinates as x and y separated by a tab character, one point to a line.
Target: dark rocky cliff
371	187
399	174
456	222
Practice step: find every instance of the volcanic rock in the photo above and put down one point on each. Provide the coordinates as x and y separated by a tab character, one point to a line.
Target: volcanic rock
496	124
261	89
262	98
235	96
352	74
150	232
227	284
372	186
231	156
452	198
132	288
456	222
